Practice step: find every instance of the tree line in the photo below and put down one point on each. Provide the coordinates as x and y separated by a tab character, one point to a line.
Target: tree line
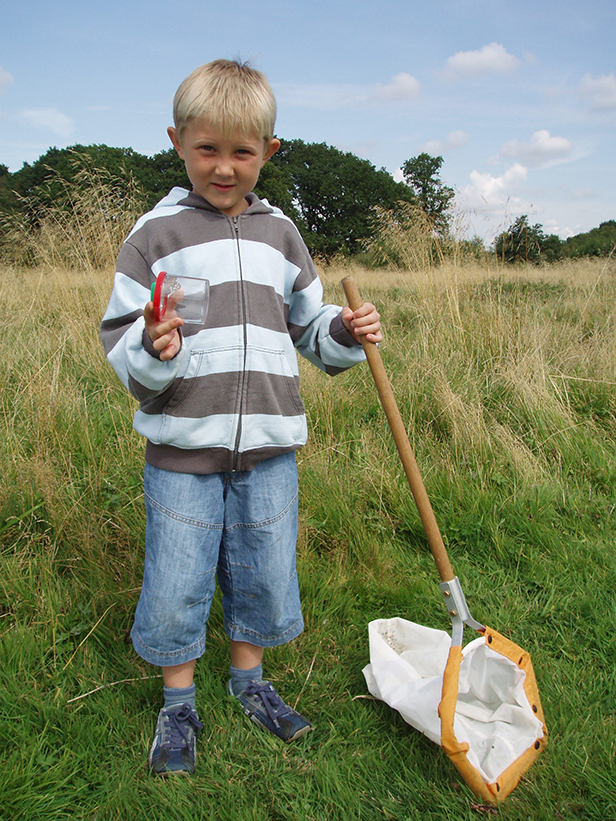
330	194
523	242
336	199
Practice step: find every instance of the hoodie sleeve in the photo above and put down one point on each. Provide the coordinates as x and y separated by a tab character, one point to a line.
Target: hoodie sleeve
317	329
127	345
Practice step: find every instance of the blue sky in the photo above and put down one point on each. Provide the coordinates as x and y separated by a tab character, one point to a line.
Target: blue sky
517	96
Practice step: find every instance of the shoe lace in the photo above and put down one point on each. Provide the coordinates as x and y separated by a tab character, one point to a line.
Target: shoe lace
273	704
176	726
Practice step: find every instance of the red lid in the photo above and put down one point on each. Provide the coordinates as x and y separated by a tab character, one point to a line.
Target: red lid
158	312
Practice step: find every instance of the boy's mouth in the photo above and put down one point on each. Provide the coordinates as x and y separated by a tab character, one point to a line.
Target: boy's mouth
222	188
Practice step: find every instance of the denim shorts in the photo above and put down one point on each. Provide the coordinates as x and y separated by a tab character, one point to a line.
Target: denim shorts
238	527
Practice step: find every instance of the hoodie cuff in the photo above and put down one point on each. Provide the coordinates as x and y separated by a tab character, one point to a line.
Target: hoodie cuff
148	345
339	333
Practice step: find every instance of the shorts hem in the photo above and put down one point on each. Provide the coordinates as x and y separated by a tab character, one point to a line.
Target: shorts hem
237	633
167	659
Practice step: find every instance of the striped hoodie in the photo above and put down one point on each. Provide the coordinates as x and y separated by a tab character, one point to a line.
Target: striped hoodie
230	397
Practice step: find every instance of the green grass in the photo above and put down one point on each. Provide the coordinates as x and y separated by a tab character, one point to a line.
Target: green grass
508	389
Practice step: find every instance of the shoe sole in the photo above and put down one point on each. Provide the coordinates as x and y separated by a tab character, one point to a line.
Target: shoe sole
169	773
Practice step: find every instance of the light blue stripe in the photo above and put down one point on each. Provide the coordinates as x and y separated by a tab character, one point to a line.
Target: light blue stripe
339	356
126	296
129	356
216	431
258	431
157	213
216	260
305	305
275	356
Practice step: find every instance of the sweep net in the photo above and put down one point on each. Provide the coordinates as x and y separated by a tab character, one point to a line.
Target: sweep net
486	722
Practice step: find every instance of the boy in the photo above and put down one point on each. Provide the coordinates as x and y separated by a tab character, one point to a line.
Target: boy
220	406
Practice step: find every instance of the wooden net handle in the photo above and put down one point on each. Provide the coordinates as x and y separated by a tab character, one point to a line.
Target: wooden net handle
401	439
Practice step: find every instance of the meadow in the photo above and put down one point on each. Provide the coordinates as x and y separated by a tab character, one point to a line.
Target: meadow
506	380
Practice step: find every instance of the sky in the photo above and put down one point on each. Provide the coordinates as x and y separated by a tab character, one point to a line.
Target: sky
517	96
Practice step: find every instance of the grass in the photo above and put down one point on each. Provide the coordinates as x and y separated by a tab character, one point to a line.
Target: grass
506	381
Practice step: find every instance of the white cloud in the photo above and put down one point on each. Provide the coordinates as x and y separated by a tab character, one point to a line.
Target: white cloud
6	79
402	87
456	139
493	58
551	226
542	149
600	92
496	194
50	119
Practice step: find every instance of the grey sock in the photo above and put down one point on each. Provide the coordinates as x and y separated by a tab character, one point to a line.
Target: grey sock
240	679
175	696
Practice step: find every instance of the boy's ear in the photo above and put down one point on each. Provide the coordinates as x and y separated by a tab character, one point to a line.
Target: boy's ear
173	136
271	149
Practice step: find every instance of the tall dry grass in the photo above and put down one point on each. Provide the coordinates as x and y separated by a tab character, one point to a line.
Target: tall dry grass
65	421
404	240
493	366
77	223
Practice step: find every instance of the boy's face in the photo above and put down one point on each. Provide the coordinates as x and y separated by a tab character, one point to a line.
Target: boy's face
222	169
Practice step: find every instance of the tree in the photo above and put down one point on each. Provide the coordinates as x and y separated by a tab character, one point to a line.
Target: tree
275	184
332	193
597	242
46	178
523	242
163	172
435	198
9	201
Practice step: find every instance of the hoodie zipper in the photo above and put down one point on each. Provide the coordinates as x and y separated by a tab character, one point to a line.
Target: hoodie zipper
242	381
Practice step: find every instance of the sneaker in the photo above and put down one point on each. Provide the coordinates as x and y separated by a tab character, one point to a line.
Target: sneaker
262	704
173	749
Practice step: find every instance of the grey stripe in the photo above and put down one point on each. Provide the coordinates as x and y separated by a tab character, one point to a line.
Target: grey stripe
144	395
339	333
215	394
265	308
191	226
133	264
208	460
112	330
305	277
295	331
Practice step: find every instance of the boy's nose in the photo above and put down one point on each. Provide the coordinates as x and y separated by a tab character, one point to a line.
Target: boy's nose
224	167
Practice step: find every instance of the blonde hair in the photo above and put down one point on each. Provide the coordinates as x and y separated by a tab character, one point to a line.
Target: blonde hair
234	98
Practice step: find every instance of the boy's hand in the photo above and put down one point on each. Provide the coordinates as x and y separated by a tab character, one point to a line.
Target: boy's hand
365	321
164	335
